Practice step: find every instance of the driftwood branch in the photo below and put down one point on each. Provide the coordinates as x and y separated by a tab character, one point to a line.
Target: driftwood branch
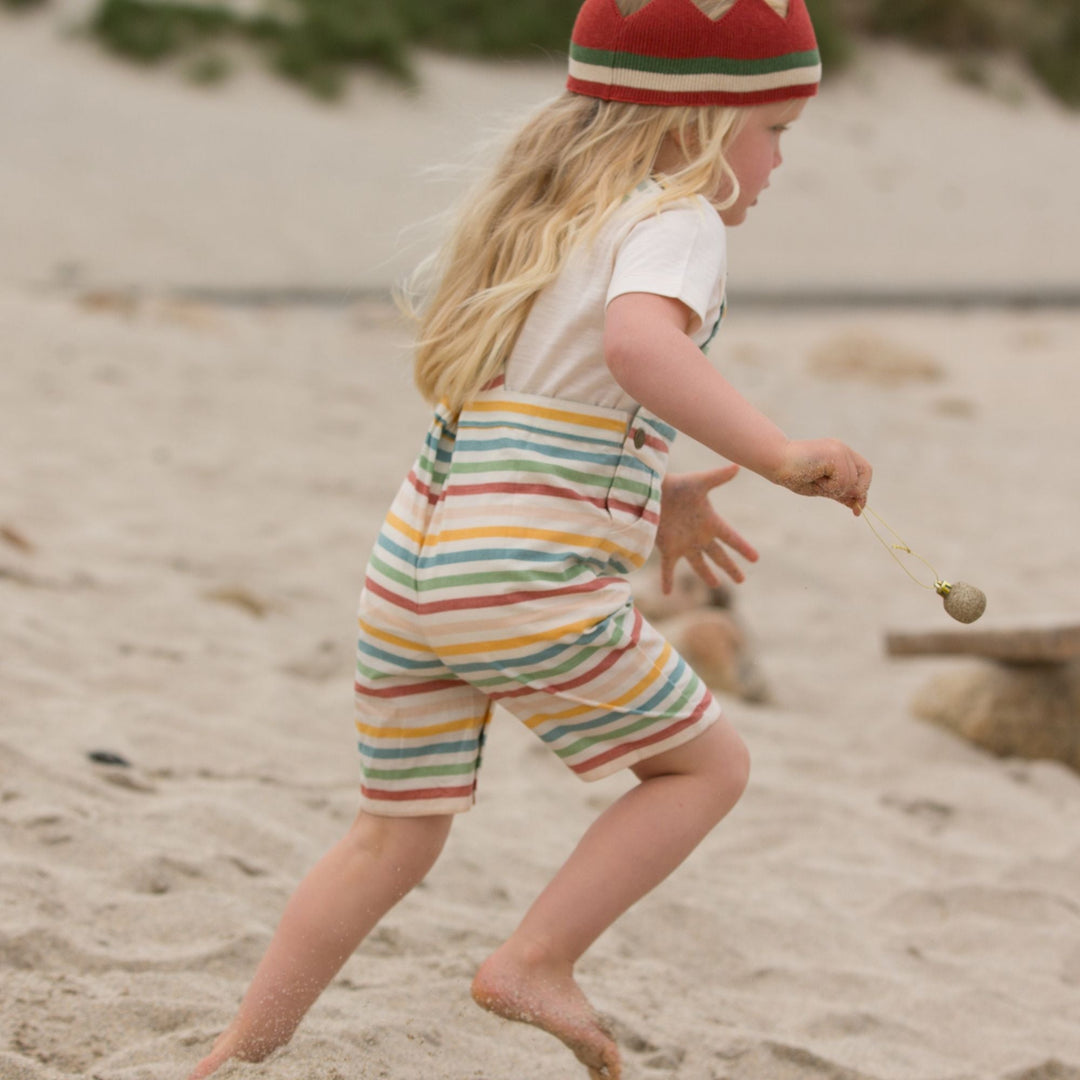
1047	645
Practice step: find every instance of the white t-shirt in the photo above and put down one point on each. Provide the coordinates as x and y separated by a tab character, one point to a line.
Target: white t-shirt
679	252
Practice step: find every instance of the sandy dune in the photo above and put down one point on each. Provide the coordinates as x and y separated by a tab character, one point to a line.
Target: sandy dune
900	178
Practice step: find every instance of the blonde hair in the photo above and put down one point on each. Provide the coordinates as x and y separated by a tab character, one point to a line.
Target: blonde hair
557	183
555	186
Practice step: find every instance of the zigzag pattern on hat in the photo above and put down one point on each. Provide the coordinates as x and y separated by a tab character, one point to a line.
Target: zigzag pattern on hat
714	9
671	53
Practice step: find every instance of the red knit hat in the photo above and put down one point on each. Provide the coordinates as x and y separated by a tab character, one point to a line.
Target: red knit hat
671	53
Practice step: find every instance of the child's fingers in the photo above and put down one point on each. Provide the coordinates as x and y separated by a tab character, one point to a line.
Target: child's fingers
854	497
704	571
667	574
845	478
715	477
726	563
735	541
865	475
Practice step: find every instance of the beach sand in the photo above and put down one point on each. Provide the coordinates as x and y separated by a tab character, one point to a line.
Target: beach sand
189	490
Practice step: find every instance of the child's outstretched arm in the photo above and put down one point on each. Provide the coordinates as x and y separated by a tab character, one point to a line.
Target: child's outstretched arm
649	352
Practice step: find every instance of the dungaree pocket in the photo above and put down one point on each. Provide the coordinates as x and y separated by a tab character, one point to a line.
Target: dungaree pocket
632	489
633	496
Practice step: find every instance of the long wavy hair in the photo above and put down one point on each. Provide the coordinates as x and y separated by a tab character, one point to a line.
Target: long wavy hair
556	184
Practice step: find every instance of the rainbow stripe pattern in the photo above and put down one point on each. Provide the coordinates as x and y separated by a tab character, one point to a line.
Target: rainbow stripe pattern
499	577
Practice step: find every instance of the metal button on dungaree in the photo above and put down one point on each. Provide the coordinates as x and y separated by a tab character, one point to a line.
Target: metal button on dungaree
639	438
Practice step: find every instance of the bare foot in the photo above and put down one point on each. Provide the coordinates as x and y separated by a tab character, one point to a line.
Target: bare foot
228	1046
213	1061
547	998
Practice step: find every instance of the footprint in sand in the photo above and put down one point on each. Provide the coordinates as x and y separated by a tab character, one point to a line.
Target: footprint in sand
1051	1069
931	812
14	538
239	596
665	1058
780	1061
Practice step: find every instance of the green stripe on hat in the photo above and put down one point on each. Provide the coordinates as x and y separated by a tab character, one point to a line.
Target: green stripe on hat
698	65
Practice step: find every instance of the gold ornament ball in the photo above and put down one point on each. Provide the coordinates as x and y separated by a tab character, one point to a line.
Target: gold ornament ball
963	602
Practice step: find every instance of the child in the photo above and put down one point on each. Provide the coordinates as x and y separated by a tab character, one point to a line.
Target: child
563	345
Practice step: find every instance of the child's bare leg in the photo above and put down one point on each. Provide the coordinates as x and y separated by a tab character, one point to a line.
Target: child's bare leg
633	846
332	910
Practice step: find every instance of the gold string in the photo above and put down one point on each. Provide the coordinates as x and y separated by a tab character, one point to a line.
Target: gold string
892	549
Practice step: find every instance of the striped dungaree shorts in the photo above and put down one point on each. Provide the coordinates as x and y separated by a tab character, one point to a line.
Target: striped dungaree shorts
499	577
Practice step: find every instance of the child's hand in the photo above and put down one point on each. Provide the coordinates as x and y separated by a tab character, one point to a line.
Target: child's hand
690	528
826	467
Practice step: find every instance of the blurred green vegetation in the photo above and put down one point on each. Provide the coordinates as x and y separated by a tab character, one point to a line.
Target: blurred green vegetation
317	42
1044	33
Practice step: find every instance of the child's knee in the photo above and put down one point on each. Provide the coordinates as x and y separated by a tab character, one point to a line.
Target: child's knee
412	844
717	761
737	765
724	763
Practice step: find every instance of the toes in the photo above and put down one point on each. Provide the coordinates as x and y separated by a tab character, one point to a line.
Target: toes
602	1061
606	1072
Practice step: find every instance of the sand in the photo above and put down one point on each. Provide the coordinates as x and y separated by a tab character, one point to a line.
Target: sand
188	492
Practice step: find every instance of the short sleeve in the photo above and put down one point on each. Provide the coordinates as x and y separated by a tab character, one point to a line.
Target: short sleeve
680	252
